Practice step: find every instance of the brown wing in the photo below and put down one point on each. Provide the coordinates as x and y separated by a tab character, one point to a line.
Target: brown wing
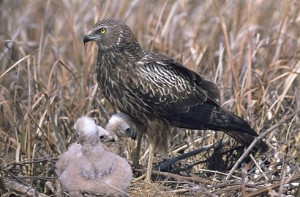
167	83
179	95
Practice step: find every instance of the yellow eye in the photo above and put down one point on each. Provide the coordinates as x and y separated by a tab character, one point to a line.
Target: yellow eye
102	30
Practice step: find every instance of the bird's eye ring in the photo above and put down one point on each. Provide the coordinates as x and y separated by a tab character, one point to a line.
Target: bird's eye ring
102	30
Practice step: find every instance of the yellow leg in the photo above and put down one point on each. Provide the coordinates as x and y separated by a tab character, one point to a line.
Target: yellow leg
150	162
136	153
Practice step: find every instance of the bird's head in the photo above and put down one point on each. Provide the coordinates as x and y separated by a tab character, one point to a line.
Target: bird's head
85	129
122	125
105	136
112	35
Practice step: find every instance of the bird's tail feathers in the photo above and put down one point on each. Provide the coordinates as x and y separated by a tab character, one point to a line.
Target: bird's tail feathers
246	139
236	128
224	120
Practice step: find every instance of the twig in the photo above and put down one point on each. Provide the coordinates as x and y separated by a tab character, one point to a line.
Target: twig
273	186
262	135
243	182
20	188
166	165
179	177
259	168
2	185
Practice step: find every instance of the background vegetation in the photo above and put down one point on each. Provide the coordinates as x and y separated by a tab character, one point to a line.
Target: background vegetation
250	49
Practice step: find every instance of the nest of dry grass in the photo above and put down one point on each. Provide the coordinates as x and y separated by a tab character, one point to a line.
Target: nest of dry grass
250	49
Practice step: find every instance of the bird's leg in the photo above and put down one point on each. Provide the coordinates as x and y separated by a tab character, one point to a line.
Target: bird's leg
150	162
136	153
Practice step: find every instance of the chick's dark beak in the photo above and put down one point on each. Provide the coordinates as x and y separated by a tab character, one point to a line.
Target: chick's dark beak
105	138
110	139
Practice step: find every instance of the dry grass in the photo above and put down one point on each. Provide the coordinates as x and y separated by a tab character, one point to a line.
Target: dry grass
251	49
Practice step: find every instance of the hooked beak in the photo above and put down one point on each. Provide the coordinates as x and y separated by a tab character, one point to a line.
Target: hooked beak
89	37
133	135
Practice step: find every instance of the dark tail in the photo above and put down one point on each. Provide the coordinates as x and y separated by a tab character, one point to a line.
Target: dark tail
236	128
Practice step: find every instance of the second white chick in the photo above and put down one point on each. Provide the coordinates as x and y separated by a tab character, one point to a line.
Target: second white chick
121	127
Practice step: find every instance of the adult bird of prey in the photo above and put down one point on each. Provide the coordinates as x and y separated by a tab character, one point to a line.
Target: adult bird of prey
158	92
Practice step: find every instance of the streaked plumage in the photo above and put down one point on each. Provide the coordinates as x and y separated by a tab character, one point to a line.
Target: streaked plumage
158	92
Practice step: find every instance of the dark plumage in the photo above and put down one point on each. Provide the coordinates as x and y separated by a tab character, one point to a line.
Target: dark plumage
158	92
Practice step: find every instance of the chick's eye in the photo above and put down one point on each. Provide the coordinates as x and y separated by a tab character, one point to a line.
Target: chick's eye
128	131
102	30
102	137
